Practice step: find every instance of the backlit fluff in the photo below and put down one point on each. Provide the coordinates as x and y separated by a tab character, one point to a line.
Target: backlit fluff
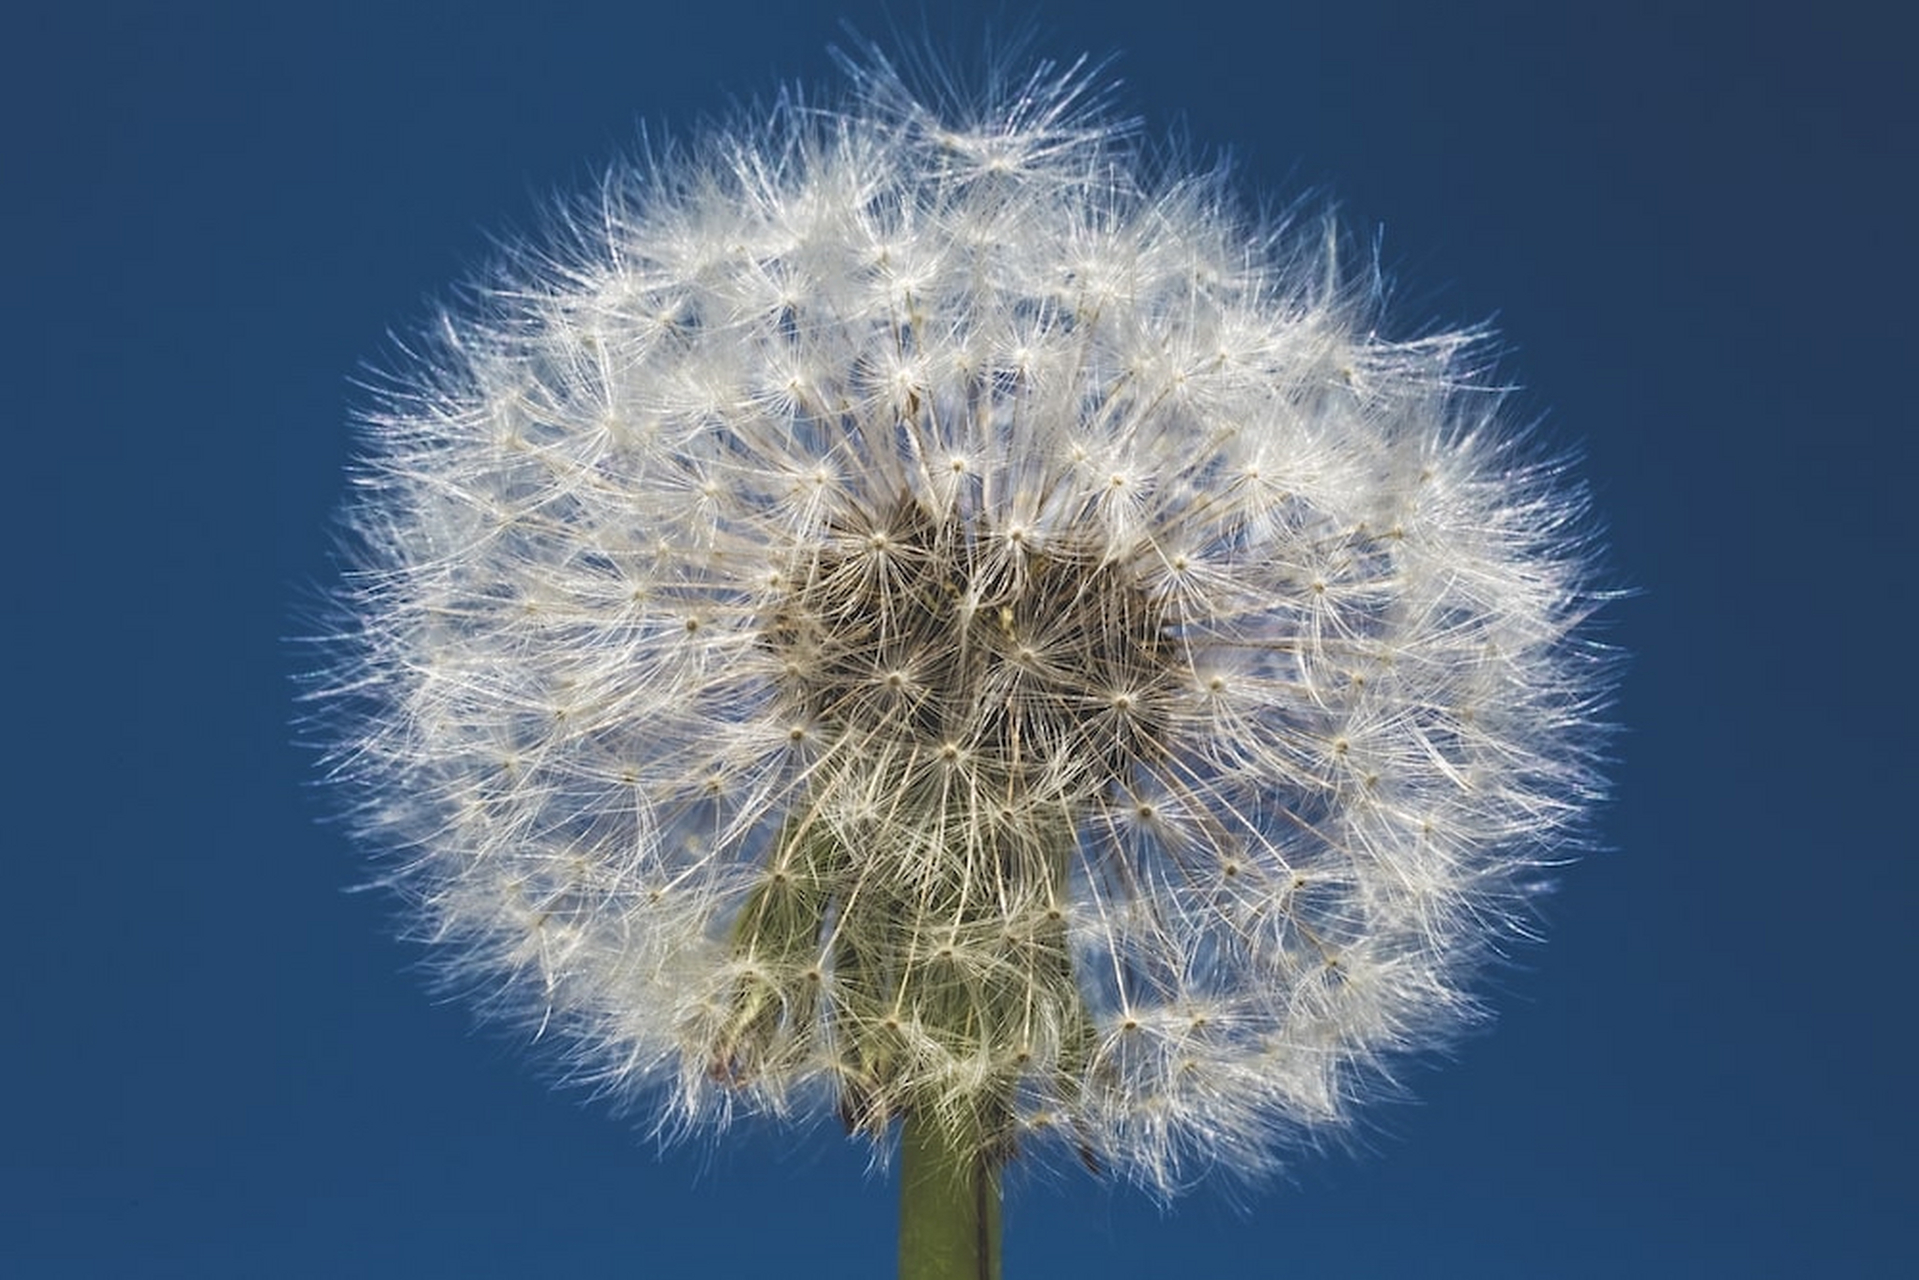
897	609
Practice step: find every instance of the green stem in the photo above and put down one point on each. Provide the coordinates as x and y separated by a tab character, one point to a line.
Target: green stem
949	1206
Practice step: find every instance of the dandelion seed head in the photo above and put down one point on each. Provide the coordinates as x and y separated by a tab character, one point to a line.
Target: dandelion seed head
897	614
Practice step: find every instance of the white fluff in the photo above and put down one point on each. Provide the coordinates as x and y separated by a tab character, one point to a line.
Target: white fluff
894	612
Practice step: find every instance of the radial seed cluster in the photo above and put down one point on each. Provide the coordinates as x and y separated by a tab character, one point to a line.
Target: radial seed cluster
898	610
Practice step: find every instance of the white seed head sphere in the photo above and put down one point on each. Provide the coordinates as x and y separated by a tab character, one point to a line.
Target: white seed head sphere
899	610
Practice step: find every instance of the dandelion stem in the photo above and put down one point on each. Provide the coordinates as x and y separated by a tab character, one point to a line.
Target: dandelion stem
949	1205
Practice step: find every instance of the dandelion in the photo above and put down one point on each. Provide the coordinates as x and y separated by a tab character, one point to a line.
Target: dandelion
903	612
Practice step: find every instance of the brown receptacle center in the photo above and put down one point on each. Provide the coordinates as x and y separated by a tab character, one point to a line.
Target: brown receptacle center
1044	665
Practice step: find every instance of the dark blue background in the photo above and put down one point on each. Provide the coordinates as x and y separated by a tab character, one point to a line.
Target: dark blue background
1693	223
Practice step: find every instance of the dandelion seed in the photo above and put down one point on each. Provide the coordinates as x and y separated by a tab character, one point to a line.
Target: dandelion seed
897	616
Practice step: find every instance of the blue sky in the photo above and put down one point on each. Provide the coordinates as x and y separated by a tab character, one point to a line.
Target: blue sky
1690	222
